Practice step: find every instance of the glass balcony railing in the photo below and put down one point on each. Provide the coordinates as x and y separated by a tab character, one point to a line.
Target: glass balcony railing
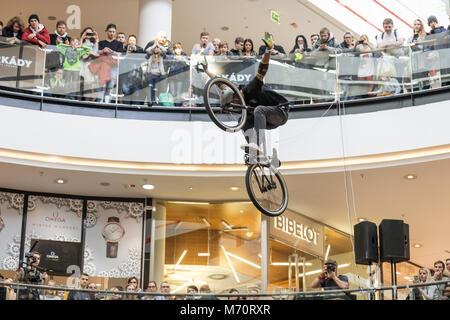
313	77
10	290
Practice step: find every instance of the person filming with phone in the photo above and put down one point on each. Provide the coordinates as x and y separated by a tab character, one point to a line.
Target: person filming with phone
329	278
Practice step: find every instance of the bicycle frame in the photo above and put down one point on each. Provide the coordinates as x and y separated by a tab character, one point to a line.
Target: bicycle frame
261	185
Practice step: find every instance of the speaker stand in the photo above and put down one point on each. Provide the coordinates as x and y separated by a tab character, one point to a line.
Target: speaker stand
394	279
371	294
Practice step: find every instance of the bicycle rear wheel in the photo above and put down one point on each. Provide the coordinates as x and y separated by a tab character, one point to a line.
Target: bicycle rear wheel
267	189
225	115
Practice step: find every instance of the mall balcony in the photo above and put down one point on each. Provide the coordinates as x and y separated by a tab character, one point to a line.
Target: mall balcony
367	139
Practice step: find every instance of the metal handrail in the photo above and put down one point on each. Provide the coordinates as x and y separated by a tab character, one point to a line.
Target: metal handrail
199	295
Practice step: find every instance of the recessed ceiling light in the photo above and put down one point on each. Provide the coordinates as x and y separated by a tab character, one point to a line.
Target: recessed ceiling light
234	188
418	245
205	254
148	187
60	181
410	177
362	219
190	188
217	276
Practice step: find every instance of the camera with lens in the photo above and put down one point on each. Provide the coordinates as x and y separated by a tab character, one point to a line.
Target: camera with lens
30	257
331	268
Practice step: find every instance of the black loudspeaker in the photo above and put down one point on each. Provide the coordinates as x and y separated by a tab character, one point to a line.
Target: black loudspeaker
394	241
366	243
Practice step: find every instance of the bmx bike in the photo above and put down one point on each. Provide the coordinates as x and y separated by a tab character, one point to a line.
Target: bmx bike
264	182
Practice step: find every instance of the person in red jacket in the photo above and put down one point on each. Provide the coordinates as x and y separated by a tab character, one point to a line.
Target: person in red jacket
36	32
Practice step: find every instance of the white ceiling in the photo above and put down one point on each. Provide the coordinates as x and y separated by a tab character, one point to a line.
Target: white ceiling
249	19
374	194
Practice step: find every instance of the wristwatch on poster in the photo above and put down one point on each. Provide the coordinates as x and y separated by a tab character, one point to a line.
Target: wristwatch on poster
112	232
2	224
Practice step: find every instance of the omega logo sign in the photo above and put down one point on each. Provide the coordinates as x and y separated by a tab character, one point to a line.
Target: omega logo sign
295	229
55	218
52	256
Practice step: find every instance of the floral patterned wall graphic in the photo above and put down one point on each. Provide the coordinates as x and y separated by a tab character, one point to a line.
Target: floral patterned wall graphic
11	208
60	219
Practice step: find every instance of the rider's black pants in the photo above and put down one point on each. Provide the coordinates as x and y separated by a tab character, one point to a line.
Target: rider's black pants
262	118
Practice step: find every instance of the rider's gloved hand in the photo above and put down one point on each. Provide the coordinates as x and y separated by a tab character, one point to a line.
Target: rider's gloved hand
202	66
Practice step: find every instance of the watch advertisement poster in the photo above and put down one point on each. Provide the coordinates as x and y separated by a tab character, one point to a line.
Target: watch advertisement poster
113	239
49	218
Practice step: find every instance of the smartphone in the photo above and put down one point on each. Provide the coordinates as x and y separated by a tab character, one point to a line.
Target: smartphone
361	41
90	34
416	278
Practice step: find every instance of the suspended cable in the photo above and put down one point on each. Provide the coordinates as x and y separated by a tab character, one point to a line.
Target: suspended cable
347	200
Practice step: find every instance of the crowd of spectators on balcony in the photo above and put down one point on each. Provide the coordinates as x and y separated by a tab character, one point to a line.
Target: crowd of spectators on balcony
89	65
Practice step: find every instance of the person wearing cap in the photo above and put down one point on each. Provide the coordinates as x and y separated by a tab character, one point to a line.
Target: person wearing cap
36	33
329	278
435	33
434	25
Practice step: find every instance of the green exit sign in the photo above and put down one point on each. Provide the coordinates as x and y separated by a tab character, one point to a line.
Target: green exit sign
275	16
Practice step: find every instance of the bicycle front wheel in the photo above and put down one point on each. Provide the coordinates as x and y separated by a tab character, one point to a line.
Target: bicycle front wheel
267	189
227	116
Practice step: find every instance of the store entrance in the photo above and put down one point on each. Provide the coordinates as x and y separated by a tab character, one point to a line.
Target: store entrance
290	268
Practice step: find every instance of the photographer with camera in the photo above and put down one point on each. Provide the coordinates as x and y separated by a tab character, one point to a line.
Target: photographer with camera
31	273
329	278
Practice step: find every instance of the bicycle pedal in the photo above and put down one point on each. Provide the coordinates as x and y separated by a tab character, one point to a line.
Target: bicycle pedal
275	161
276	164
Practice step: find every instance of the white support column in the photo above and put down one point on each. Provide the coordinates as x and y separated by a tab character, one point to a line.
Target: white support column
265	247
154	16
158	244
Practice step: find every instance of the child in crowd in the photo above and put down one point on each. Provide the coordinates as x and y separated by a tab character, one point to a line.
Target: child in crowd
179	73
155	70
72	64
223	49
89	81
390	84
57	82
